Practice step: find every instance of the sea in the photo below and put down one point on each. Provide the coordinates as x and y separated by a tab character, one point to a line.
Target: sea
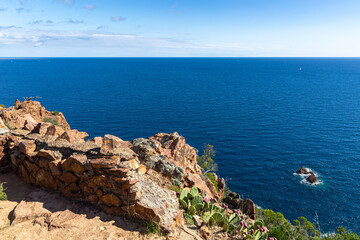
265	117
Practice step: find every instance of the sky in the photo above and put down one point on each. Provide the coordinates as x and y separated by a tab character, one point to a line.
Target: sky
179	28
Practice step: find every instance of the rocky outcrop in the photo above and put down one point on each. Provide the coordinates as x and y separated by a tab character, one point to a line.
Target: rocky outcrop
120	177
169	155
26	115
312	179
247	206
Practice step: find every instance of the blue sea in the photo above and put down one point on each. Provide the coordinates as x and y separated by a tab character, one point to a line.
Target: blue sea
265	117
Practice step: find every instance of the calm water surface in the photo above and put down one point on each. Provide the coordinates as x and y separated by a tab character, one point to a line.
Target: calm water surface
265	117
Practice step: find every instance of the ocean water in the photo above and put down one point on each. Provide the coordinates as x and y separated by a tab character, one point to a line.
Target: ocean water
264	116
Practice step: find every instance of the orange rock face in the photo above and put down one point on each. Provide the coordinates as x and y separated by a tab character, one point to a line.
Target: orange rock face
54	130
111	200
27	146
73	136
27	115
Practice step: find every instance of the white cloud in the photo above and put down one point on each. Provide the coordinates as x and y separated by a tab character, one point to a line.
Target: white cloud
90	7
69	2
75	21
117	19
41	22
20	10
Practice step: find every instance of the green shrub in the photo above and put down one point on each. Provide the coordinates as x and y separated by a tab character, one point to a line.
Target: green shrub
3	195
152	228
174	188
282	229
212	214
342	234
2	106
307	227
189	219
55	113
212	179
205	161
52	121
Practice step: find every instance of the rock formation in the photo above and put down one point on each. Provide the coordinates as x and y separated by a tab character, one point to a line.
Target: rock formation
120	177
311	178
247	206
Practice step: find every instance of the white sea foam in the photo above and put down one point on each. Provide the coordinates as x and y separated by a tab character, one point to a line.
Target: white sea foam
304	176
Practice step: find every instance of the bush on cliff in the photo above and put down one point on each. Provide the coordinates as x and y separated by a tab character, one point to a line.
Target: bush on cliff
3	195
213	180
2	106
282	229
205	161
52	121
342	234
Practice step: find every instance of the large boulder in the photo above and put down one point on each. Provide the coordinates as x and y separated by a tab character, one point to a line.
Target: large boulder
73	136
312	178
303	170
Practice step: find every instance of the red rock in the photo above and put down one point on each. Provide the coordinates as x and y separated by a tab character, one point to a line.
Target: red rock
93	199
195	180
17	104
312	178
41	128
54	130
27	146
205	233
100	181
69	178
74	136
45	179
86	189
55	168
105	162
303	170
48	154
20	123
31	167
43	163
75	163
248	207
111	200
15	159
112	143
72	191
118	171
23	174
96	140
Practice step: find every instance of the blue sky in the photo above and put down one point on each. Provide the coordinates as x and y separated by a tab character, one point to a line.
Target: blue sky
179	28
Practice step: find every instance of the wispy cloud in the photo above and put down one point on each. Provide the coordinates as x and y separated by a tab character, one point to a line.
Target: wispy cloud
117	19
20	10
3	9
173	9
22	2
90	7
102	27
8	27
38	22
69	2
71	21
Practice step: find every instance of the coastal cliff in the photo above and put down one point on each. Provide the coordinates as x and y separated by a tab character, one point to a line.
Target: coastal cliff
120	177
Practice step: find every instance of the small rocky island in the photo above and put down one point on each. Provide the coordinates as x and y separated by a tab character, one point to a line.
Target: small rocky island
312	179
